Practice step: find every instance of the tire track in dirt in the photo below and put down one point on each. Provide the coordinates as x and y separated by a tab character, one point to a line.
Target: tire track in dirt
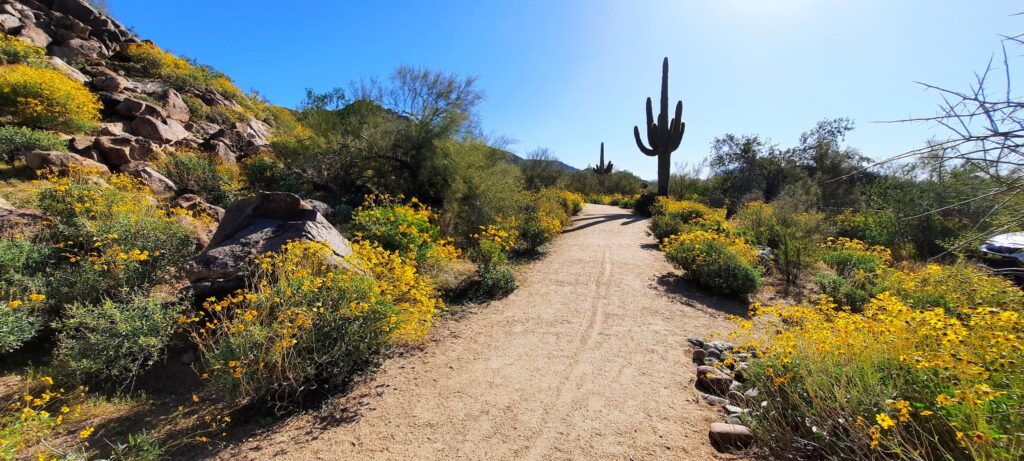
586	360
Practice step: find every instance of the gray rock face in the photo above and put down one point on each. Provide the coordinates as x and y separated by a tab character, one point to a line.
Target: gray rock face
158	183
175	106
254	226
65	69
122	150
77	9
164	132
18	221
77	49
198	206
132	107
59	162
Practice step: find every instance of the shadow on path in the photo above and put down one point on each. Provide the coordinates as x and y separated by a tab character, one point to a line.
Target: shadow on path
688	293
628	219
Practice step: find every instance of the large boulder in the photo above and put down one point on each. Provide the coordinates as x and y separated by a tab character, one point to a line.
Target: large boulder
199	207
78	9
15	221
42	161
175	106
164	132
131	107
253	226
122	150
158	183
78	49
66	69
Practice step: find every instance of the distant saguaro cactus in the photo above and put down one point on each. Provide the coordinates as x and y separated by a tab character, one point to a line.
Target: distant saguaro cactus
663	136
601	168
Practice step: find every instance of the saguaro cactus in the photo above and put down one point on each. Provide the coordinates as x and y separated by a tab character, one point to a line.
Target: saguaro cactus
663	136
601	168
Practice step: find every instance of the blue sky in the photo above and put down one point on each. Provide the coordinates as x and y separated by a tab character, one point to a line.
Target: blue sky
569	74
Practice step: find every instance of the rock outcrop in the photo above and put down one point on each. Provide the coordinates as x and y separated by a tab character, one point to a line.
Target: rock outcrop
253	226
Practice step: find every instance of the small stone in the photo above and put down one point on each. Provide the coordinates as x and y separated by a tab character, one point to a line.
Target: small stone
713	353
696	342
722	346
733	420
733	410
713	400
698	355
751	394
728	437
736	386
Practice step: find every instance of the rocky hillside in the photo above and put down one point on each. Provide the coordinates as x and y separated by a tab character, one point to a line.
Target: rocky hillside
152	102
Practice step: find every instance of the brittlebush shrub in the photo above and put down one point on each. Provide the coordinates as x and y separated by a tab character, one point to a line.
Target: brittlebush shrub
408	229
113	342
851	258
619	200
494	244
46	98
308	321
671	217
23	267
16	51
722	264
16	141
893	382
950	287
114	239
204	175
546	215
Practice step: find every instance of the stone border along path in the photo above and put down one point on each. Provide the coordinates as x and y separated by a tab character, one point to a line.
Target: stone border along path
588	359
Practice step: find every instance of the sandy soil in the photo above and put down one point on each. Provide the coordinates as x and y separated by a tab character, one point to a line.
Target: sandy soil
586	360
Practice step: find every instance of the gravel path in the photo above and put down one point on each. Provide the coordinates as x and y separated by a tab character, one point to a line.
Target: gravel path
586	360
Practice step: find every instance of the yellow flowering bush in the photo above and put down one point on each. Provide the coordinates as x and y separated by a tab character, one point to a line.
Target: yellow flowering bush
114	239
407	229
35	414
16	51
722	264
23	268
950	287
184	75
671	217
619	200
892	382
494	243
308	319
46	98
548	212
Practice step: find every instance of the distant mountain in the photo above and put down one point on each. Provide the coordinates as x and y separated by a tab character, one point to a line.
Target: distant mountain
517	160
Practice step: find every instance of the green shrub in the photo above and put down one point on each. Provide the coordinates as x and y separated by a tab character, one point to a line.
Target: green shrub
793	256
723	265
672	217
842	291
849	263
484	188
15	141
277	340
113	342
201	174
46	98
23	268
265	173
496	281
644	205
407	229
116	241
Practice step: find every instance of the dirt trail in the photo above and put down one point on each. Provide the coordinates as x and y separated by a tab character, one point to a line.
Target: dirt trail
586	360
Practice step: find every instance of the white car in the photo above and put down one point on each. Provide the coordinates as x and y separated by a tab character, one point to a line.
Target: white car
1005	248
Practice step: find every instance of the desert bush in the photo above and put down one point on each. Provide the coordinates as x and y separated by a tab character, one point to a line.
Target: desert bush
178	72
853	258
266	173
671	217
16	51
849	294
113	342
115	241
23	267
306	321
15	141
721	264
483	189
619	200
644	204
893	382
544	218
202	174
46	98
496	281
950	287
407	229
